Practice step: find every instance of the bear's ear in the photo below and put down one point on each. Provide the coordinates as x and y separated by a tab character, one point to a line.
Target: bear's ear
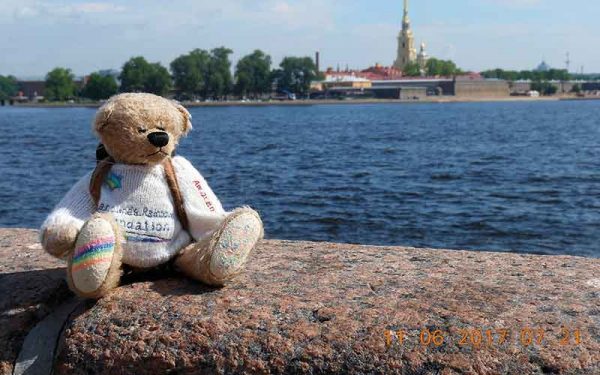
186	118
103	116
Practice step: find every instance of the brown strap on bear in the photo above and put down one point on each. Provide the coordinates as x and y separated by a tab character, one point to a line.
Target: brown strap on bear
104	166
175	193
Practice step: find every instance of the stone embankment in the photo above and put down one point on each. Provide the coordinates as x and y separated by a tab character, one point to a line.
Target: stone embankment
310	102
314	308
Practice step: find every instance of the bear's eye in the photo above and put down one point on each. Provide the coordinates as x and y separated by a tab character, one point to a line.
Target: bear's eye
142	130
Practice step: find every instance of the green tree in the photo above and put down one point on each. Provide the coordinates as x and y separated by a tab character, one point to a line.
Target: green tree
60	84
253	74
550	89
138	75
219	81
537	86
296	74
8	87
544	87
511	75
202	73
493	73
100	87
412	69
527	75
190	72
576	88
558	75
134	74
436	67
586	77
159	81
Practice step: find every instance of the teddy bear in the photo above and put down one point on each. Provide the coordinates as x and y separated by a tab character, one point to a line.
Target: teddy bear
142	207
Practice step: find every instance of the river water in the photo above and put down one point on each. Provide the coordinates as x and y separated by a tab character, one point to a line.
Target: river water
510	176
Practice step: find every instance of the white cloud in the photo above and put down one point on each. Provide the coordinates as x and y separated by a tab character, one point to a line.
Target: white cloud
281	7
286	14
308	13
516	3
60	33
95	8
27	9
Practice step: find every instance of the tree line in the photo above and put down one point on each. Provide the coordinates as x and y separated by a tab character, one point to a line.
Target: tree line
433	67
540	80
8	87
199	74
531	75
207	74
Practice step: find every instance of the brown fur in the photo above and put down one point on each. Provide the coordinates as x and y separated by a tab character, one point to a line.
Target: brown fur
59	242
194	260
120	120
119	124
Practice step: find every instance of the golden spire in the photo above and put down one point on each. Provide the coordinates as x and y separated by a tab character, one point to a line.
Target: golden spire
405	19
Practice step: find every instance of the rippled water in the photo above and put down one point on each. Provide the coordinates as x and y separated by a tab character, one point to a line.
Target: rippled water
521	177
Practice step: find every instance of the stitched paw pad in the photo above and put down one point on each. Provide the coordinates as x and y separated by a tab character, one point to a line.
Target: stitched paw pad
237	239
93	255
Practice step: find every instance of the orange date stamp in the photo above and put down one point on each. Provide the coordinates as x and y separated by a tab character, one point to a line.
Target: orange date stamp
480	337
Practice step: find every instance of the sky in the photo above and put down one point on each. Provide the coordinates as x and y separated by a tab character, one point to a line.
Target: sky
86	36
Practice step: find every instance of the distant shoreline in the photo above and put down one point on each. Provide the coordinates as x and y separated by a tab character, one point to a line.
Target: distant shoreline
448	99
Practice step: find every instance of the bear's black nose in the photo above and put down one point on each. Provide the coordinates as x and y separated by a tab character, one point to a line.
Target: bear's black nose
159	139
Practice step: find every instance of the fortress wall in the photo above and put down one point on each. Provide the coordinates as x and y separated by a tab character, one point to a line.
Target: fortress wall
481	88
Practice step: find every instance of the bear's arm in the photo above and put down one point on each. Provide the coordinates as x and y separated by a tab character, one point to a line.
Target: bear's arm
204	210
60	229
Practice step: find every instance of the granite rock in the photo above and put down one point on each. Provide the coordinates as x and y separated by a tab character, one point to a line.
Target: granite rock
319	308
322	308
31	286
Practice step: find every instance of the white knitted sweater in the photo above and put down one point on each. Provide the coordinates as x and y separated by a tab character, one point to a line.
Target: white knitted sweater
140	200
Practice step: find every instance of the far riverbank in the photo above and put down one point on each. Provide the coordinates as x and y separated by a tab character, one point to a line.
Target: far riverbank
308	102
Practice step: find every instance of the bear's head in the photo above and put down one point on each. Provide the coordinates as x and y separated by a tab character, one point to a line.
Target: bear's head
139	128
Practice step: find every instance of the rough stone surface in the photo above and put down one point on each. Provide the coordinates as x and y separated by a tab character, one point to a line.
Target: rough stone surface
321	308
31	286
318	308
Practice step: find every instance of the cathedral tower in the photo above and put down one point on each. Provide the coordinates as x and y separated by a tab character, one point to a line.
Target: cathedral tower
407	53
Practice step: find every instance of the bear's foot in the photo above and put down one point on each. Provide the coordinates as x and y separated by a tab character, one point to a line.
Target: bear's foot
222	256
94	268
237	237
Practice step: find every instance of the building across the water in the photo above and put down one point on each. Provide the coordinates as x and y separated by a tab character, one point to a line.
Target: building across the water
30	91
407	52
390	82
350	84
35	90
376	72
543	67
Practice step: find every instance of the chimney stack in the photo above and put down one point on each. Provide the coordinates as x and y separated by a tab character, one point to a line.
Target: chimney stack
317	61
